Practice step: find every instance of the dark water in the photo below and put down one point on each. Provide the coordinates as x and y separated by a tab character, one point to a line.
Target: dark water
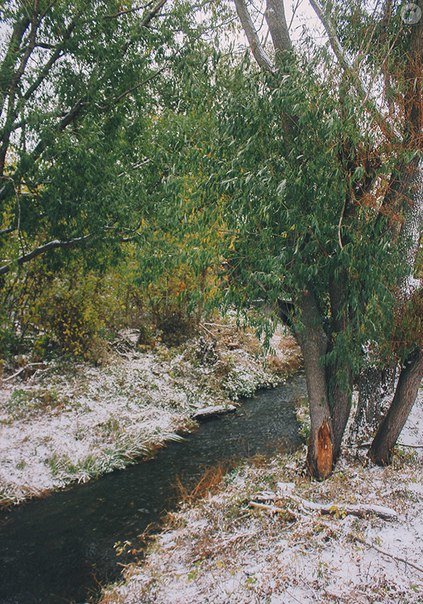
61	548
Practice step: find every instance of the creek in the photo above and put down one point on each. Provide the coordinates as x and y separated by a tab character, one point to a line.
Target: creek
62	548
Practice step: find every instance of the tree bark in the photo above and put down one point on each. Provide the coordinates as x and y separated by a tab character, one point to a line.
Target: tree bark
338	374
405	394
312	337
257	49
278	28
313	343
375	386
340	397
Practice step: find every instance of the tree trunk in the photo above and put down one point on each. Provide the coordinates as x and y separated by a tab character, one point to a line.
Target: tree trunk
405	394
375	386
313	342
340	396
339	375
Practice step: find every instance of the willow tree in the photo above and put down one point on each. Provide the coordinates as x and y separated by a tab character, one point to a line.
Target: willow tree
311	182
80	85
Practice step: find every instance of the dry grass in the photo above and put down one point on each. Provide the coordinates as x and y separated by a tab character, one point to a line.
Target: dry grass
210	482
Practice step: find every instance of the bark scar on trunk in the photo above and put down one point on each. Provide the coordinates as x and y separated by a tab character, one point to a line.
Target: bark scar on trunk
324	450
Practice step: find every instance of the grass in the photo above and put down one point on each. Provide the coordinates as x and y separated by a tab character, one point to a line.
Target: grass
217	540
24	403
105	445
124	451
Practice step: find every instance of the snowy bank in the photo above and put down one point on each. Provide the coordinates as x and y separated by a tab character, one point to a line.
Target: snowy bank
72	422
226	550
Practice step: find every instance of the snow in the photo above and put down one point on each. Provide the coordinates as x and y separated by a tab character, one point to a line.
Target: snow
224	551
206	412
73	422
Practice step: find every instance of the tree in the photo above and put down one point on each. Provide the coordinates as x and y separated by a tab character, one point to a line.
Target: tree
323	219
80	84
398	55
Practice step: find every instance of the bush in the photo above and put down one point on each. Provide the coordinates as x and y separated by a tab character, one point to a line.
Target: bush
78	312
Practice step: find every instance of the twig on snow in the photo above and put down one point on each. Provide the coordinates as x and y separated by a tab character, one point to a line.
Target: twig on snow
21	370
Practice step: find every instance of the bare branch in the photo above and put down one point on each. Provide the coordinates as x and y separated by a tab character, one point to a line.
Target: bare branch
42	249
256	47
348	68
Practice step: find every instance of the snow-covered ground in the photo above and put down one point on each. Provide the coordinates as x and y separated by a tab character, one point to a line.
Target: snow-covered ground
225	550
72	422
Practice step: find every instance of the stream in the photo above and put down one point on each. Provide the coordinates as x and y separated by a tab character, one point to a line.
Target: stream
61	549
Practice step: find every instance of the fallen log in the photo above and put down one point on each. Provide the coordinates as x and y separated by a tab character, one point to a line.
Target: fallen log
213	411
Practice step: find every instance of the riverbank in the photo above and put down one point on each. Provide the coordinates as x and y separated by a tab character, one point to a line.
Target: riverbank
67	422
257	537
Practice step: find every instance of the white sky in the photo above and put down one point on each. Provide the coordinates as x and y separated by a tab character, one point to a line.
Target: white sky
304	15
299	15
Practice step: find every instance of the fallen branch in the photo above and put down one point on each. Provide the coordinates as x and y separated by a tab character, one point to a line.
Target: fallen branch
287	512
207	330
334	509
265	506
21	370
384	552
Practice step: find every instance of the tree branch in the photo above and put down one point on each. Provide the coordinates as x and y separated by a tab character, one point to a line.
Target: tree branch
8	230
345	64
52	60
276	20
151	14
42	249
256	48
128	11
10	57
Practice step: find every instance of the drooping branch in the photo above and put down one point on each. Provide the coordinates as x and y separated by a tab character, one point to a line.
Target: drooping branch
257	49
120	234
350	71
